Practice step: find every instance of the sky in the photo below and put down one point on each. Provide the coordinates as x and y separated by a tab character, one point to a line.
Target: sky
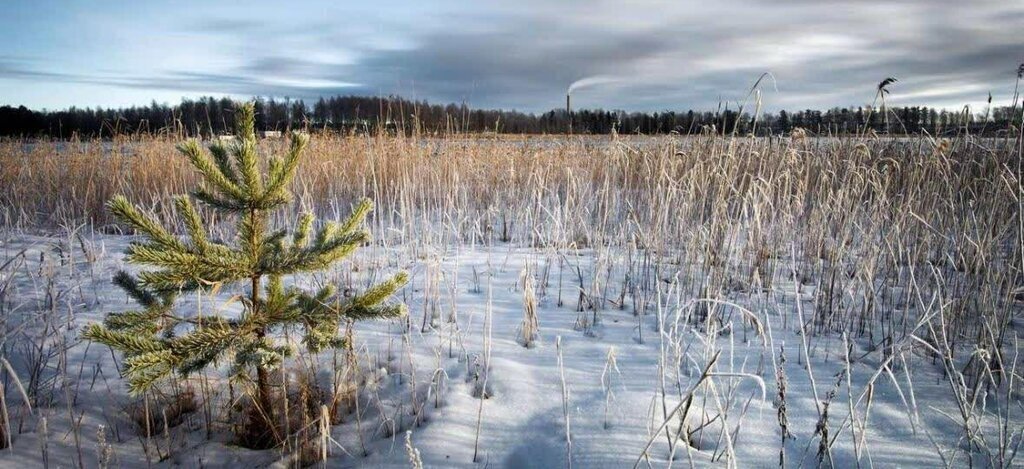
522	54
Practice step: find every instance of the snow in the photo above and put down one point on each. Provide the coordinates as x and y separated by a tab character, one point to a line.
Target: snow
523	424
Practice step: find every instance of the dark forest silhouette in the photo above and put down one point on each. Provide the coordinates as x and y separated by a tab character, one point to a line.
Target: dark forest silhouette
210	116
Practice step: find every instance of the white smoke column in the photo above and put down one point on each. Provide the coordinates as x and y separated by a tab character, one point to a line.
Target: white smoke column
584	83
590	81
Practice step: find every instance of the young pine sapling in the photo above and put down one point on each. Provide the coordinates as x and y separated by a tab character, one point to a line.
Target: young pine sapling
157	341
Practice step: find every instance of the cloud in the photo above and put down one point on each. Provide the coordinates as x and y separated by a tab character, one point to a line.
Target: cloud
524	55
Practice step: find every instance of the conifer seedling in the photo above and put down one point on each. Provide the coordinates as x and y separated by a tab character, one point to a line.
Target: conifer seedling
159	340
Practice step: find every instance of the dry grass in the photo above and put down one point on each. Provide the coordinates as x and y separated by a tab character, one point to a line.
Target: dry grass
905	246
858	210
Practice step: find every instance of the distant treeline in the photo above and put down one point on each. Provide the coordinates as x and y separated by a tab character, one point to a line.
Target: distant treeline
211	116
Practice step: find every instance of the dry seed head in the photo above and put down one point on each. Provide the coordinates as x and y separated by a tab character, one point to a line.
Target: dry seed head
861	150
798	134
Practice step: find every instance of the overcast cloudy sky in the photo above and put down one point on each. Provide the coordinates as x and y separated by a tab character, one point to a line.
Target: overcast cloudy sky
519	54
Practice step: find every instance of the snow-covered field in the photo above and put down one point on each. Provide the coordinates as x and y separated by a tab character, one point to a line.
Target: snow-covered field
593	390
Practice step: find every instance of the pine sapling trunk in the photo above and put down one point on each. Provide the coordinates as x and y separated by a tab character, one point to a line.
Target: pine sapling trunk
262	375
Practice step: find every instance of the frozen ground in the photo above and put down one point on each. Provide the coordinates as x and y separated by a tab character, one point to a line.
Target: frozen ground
53	286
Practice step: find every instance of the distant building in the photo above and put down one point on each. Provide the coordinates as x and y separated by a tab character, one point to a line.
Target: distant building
271	134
